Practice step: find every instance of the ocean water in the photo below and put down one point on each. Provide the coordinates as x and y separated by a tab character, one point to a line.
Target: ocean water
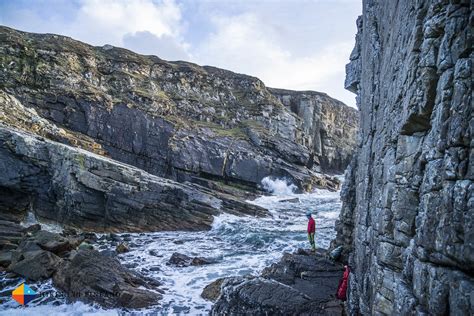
239	245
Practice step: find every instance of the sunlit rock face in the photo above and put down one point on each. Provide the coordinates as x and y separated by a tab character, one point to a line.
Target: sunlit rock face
408	214
174	119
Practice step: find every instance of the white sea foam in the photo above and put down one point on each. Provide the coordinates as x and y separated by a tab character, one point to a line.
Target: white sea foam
280	187
240	245
74	309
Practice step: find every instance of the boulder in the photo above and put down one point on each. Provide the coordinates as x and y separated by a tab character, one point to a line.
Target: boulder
259	296
299	284
212	291
154	253
93	277
52	242
32	229
122	248
86	245
181	260
34	265
5	258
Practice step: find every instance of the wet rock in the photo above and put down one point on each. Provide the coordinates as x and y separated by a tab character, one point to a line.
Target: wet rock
52	242
335	254
300	284
212	291
32	229
85	245
6	245
260	296
303	252
154	253
34	265
294	200
122	248
155	283
36	257
5	258
154	269
199	261
131	265
92	277
91	237
69	231
10	233
181	260
113	237
108	253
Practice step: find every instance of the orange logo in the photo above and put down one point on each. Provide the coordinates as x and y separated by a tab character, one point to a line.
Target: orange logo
23	294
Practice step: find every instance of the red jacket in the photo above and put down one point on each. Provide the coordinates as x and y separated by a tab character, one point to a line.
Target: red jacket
311	226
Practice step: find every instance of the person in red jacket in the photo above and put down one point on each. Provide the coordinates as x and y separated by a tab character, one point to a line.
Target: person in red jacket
311	230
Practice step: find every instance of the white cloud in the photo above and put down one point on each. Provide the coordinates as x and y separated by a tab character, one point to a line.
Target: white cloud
109	21
301	47
246	44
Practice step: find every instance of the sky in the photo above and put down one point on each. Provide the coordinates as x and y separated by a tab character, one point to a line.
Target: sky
292	44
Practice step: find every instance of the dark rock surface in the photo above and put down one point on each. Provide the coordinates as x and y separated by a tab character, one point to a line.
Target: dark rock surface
408	214
181	260
82	274
172	119
75	187
300	284
212	291
93	277
122	248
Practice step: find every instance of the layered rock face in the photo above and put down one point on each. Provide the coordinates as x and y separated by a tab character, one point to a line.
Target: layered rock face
408	214
72	186
172	119
329	128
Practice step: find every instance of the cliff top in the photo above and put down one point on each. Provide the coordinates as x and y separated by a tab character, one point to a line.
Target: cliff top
60	43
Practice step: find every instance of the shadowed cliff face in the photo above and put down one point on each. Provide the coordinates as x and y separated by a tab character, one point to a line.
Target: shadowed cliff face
329	128
173	119
408	212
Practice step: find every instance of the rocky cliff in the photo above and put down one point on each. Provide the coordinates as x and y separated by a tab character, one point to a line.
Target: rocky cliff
407	219
329	128
212	132
172	119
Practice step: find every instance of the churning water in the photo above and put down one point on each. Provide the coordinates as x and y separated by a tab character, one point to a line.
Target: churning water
240	245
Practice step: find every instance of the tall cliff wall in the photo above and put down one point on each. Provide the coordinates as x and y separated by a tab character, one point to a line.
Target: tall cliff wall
329	128
408	216
173	119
